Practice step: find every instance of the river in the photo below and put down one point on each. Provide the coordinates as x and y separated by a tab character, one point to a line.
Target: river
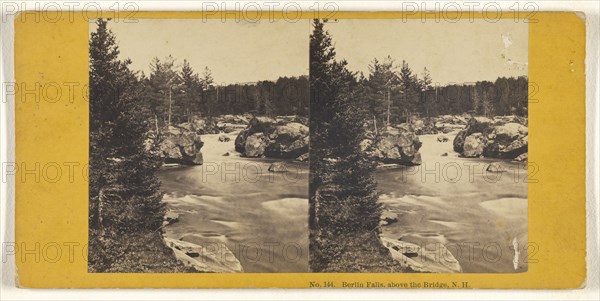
479	216
260	216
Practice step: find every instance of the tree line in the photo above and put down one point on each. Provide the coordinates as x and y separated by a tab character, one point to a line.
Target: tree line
176	93
393	92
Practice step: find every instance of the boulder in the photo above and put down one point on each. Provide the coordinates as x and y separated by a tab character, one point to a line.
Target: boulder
475	125
278	167
522	157
388	218
499	140
255	145
473	146
288	141
170	217
442	139
495	167
233	119
204	258
499	120
224	138
226	154
419	260
204	125
277	139
397	145
302	158
181	144
423	126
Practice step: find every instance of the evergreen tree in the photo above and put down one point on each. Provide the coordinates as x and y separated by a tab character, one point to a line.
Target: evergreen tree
344	209
164	86
125	208
383	92
191	88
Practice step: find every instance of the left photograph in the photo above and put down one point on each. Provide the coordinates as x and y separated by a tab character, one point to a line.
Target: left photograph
198	146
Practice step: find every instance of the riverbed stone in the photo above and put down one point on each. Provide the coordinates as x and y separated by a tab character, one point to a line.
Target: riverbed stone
399	145
279	138
278	167
255	145
473	146
495	167
499	140
181	144
419	260
205	259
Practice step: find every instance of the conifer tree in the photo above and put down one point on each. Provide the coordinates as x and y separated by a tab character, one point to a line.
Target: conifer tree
344	209
124	193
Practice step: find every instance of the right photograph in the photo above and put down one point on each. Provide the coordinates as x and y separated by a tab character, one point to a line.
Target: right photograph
419	146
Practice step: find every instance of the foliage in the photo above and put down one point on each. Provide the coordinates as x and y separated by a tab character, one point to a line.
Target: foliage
411	95
125	199
344	208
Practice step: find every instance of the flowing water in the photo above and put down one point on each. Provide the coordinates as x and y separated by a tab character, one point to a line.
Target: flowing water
480	216
260	216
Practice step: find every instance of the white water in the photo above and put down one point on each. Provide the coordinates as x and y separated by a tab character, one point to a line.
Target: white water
479	216
262	217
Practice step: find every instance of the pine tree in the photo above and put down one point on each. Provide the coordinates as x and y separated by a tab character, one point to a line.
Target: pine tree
383	92
125	205
191	88
425	86
344	209
164	86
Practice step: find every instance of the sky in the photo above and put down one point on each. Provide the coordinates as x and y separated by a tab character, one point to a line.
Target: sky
236	52
459	52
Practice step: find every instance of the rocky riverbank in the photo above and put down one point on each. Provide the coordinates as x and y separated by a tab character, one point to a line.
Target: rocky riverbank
211	221
503	137
443	202
283	137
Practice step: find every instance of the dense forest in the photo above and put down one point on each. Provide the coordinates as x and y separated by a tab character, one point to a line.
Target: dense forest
392	92
175	93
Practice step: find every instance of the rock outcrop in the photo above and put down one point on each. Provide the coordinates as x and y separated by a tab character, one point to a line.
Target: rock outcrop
266	137
412	256
181	144
492	138
398	145
205	259
278	167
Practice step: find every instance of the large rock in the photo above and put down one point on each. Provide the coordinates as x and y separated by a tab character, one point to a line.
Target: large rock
181	144
473	146
475	125
268	137
204	258
499	140
397	145
204	125
419	260
278	167
255	145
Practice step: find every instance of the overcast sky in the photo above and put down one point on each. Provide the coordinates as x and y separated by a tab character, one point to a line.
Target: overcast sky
453	52
235	52
246	52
